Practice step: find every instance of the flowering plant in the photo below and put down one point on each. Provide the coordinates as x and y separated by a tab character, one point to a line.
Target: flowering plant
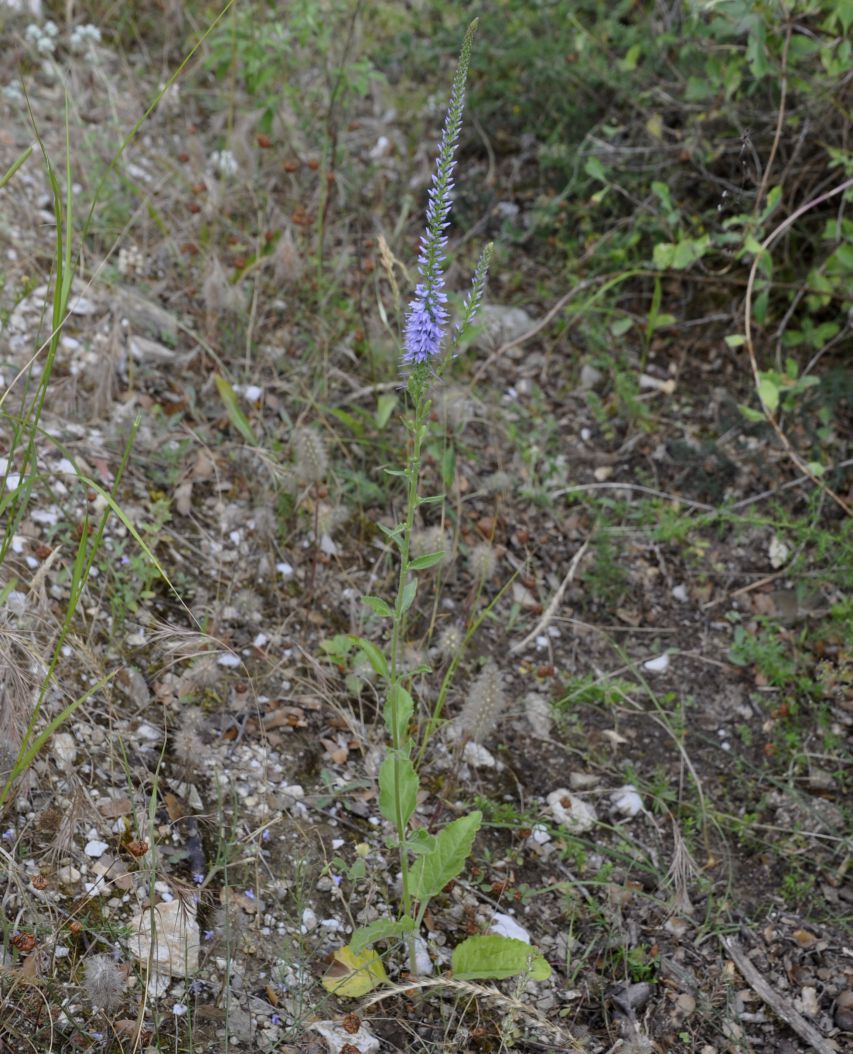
427	861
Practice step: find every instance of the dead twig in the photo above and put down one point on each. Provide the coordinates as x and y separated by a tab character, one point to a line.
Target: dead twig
549	612
780	1006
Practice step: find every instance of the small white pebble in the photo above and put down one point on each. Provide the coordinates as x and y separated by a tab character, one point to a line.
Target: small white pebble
657	665
95	848
228	660
284	569
680	593
506	926
627	801
540	835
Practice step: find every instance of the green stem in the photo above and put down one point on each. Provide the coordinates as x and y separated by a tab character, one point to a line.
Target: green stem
399	735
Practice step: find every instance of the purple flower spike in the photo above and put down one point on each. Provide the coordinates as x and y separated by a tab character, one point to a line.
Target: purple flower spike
426	321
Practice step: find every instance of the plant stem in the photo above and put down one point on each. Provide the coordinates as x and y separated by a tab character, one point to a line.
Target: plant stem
400	739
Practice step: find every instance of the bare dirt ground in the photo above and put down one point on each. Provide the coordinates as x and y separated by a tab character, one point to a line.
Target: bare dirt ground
692	685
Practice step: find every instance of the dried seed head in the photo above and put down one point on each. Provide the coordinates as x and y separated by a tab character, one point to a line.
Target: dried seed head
288	261
309	455
482	562
330	517
264	521
103	982
219	295
187	742
498	483
451	640
484	707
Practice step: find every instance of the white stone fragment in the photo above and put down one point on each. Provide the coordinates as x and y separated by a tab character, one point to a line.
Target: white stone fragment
778	552
171	944
309	920
337	1037
95	848
627	801
572	812
660	664
506	926
424	965
477	756
680	593
284	569
540	835
64	749
228	660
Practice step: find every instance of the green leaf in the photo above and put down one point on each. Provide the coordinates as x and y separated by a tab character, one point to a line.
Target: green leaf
374	656
421	563
735	340
397	765
751	415
663	255
380	930
408	595
433	499
768	393
394	534
420	841
688	251
399	708
432	872
492	957
379	606
384	408
621	326
232	408
16	164
594	168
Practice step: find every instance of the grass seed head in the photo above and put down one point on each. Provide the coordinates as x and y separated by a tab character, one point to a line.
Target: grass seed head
310	459
486	702
482	562
451	640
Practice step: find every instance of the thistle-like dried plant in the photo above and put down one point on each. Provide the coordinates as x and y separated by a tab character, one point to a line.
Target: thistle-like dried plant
103	982
486	703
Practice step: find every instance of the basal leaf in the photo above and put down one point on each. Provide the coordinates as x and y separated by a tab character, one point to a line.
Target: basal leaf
353	975
492	957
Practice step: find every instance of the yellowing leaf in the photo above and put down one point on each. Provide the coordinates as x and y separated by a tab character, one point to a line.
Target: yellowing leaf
351	976
654	126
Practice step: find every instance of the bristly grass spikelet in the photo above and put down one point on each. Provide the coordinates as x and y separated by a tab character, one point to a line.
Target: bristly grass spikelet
310	460
482	562
482	711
